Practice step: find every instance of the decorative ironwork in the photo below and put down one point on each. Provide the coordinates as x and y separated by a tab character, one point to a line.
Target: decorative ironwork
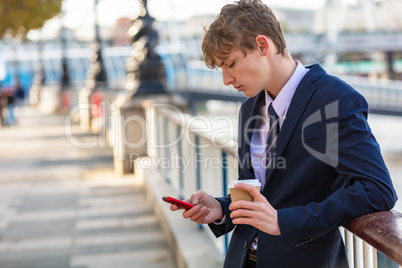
65	80
39	77
96	75
145	70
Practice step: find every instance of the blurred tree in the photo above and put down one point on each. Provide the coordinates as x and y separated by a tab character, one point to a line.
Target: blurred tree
29	14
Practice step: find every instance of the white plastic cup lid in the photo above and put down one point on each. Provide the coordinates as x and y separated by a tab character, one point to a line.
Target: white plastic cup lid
252	182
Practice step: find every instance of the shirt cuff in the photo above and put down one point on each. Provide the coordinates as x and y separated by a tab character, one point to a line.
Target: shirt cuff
220	222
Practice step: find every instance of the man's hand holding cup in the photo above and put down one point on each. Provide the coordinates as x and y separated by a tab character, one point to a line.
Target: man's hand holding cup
250	207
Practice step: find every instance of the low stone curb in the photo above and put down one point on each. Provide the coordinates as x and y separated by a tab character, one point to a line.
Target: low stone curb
191	246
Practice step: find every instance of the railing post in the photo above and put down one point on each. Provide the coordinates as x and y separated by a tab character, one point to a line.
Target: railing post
349	248
358	250
180	162
166	151
198	167
197	155
225	185
375	259
157	133
368	256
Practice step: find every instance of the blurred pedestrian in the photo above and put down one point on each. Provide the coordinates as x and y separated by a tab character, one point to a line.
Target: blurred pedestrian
10	106
19	94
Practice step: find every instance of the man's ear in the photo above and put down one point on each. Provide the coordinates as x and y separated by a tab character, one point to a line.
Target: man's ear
263	44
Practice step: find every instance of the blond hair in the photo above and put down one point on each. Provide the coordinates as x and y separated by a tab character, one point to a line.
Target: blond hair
237	25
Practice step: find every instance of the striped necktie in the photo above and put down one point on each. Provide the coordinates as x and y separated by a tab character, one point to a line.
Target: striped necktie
272	133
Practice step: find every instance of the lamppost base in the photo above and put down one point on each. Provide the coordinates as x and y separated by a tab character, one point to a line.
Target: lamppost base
131	129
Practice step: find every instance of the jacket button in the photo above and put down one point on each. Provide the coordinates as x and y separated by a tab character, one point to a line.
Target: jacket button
245	244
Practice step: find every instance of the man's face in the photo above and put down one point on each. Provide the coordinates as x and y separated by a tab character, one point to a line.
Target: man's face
247	73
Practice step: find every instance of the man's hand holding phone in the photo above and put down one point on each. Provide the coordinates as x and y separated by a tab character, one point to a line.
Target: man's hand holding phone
206	208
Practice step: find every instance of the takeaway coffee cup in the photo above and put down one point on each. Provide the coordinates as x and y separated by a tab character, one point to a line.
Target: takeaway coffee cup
240	194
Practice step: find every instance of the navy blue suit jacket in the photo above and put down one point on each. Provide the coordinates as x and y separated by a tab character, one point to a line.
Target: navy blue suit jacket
329	170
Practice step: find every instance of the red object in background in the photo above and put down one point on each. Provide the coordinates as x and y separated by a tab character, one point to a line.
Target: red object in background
96	99
66	100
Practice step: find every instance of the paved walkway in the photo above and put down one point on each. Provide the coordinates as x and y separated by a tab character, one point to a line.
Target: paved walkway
63	207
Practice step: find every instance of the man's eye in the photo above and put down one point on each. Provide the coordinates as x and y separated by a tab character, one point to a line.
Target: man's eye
231	65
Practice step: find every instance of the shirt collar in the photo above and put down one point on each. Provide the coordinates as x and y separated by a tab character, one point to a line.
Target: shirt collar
282	101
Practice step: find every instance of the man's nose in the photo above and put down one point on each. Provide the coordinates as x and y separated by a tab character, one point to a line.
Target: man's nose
227	78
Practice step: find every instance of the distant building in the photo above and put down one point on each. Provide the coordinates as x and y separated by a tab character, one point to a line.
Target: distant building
363	15
295	20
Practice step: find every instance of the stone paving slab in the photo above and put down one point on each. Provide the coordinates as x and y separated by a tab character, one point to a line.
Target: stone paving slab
34	229
63	207
141	258
41	243
36	261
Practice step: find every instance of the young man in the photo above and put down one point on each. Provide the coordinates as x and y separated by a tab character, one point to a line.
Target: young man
321	171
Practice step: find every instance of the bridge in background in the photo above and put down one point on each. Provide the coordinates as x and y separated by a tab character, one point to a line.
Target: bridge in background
193	79
307	45
384	96
345	43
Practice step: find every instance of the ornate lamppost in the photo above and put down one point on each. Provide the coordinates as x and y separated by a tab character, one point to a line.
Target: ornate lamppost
96	82
65	80
96	75
39	79
145	70
145	80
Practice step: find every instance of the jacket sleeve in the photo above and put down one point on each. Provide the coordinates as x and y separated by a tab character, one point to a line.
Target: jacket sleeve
357	160
225	228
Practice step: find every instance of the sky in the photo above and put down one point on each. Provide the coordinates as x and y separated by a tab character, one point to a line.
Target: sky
79	14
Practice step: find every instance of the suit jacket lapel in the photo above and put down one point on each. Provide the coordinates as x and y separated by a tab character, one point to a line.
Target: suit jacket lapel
300	100
247	171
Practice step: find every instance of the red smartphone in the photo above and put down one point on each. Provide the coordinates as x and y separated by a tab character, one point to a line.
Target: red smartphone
177	202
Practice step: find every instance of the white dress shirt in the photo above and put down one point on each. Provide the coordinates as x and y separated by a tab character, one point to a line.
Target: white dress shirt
280	105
